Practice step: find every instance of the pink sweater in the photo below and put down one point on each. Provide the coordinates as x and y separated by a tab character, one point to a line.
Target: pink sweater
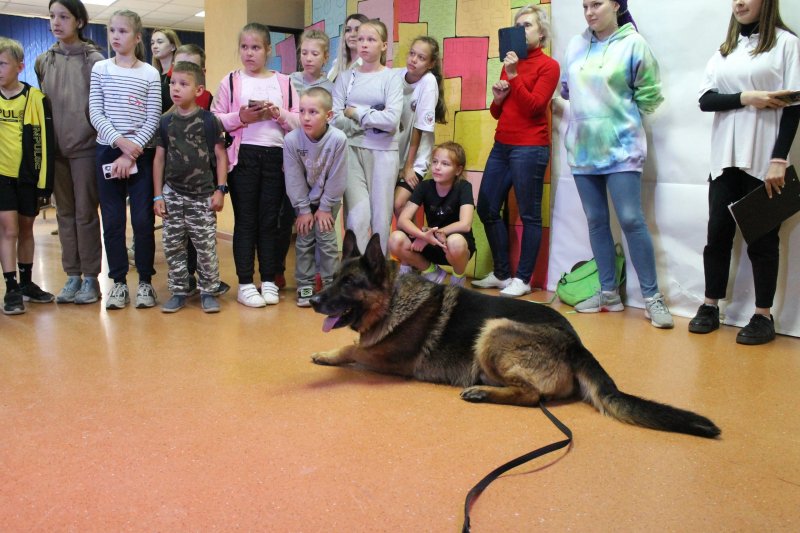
227	109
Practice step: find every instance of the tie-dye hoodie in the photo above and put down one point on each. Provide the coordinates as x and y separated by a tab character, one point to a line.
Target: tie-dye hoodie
609	84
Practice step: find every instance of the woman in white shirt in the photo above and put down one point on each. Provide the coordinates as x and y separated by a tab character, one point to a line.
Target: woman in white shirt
747	85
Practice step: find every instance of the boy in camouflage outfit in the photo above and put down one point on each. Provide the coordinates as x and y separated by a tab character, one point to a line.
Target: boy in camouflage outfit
185	194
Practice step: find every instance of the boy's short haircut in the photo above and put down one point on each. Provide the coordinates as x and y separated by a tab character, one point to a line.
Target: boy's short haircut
321	94
191	68
13	48
193	50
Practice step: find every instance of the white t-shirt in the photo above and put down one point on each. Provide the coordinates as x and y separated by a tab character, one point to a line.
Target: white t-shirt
419	111
744	138
264	132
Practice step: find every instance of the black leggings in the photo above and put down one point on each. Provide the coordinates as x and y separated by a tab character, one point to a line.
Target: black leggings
263	215
731	186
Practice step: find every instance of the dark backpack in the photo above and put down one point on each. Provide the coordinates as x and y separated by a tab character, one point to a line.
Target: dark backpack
208	128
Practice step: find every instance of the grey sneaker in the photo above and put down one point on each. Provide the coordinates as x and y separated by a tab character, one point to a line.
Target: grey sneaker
71	287
460	282
174	304
491	282
657	311
145	295
118	298
600	302
304	295
437	276
89	292
209	303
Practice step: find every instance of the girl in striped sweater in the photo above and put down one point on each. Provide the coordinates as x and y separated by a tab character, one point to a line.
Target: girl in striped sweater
124	108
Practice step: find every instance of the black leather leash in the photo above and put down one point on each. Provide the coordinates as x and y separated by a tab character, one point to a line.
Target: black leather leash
476	491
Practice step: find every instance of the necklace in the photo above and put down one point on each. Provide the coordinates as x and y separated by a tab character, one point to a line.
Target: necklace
135	60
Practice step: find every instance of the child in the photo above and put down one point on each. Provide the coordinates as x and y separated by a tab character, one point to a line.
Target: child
423	103
64	73
257	106
449	206
314	47
26	175
164	44
185	193
367	102
124	107
315	162
195	54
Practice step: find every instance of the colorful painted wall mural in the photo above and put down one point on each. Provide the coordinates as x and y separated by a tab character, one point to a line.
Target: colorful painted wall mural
467	32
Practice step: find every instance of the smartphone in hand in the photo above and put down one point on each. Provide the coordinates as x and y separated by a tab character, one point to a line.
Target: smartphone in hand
790	98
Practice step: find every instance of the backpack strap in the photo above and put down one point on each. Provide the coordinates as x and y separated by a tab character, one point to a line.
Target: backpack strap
209	128
230	85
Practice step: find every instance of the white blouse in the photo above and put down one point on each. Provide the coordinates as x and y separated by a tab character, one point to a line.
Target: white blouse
744	138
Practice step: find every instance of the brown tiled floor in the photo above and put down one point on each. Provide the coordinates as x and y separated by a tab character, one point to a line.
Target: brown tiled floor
136	420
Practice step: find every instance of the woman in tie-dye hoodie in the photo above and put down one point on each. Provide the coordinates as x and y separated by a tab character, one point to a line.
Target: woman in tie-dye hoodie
611	77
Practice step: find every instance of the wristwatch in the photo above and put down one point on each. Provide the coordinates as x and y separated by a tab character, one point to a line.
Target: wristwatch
223	188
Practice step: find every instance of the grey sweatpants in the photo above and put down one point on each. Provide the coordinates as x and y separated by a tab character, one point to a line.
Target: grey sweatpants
306	248
369	196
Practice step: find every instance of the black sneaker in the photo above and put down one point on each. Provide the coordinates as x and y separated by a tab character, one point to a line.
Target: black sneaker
13	303
760	330
706	320
221	289
31	292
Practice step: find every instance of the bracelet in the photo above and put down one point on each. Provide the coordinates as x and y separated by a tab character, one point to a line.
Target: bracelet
157	198
778	160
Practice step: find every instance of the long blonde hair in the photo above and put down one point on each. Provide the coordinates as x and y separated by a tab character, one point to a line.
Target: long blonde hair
343	55
383	33
173	39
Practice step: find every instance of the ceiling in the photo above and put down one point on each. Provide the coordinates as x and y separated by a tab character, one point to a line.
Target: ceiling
176	14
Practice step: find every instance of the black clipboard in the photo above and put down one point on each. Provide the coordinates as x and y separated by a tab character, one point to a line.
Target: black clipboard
756	214
513	40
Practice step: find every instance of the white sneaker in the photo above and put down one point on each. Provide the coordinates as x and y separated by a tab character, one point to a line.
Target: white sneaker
269	292
248	295
657	311
304	295
491	282
516	288
145	295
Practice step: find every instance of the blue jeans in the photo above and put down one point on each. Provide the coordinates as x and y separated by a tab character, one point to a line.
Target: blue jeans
521	167
626	193
139	189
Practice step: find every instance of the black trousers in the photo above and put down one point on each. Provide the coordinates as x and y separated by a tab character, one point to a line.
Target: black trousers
263	214
731	186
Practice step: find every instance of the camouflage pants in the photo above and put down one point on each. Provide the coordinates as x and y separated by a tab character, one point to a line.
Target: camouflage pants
189	217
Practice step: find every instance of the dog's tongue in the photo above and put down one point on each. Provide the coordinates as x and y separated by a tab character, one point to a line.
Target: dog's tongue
329	322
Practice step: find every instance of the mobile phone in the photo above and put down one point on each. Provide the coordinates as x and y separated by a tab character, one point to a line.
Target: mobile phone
790	98
109	175
255	103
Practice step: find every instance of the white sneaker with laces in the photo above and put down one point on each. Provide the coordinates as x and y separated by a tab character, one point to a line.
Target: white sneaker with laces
249	296
657	311
600	302
491	282
516	288
145	296
118	297
269	292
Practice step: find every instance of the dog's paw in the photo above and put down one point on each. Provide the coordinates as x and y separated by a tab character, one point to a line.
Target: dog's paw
474	394
324	358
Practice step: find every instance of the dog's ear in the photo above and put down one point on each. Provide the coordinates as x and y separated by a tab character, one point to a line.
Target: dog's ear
375	259
350	245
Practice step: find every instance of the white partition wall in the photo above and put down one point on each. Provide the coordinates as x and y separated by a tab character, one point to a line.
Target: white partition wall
683	35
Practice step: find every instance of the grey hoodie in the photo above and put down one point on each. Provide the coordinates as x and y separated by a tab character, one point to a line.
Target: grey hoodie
64	76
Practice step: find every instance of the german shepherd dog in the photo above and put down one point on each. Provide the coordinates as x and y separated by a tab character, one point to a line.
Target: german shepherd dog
498	350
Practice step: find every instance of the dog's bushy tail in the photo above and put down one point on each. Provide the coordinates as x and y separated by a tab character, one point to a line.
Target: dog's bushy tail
600	390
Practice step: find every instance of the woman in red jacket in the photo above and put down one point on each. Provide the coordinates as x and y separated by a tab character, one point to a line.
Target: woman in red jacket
520	154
